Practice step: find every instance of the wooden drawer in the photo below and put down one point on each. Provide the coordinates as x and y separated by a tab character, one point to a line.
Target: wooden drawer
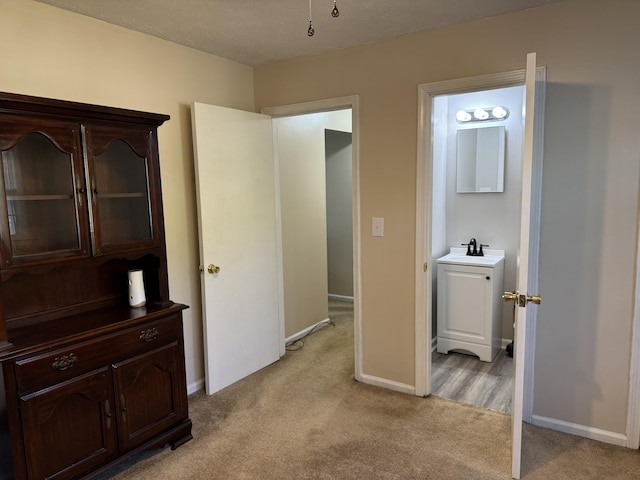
46	369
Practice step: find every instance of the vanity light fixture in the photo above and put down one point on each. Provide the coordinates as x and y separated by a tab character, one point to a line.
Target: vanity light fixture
335	13
482	114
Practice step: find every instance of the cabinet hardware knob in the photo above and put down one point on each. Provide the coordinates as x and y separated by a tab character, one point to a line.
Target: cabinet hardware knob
107	412
64	362
149	335
123	407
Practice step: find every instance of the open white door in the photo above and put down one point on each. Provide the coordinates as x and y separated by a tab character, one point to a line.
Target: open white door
235	188
521	296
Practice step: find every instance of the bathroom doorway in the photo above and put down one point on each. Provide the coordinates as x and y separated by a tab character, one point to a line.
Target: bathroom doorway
532	114
487	209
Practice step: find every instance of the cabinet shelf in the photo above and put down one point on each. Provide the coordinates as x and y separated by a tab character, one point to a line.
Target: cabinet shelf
122	195
37	198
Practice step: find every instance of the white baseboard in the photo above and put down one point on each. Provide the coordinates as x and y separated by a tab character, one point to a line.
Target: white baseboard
195	386
302	333
434	343
580	430
340	297
388	384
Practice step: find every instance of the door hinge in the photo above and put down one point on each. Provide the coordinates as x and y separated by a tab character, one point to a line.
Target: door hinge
426	267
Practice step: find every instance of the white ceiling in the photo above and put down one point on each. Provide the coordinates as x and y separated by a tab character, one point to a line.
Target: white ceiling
254	32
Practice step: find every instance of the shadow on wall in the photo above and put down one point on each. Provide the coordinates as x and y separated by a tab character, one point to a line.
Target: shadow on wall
572	222
338	151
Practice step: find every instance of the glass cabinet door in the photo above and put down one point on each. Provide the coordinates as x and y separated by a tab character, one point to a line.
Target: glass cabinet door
43	193
121	184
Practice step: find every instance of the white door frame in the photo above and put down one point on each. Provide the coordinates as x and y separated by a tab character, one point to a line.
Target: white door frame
424	206
340	103
633	411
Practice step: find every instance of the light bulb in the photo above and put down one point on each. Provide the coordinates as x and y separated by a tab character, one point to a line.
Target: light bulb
499	112
480	114
463	116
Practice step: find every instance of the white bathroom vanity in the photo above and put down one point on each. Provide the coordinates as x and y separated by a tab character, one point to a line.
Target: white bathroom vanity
469	303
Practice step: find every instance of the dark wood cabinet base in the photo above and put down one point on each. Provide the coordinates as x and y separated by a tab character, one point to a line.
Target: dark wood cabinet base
175	437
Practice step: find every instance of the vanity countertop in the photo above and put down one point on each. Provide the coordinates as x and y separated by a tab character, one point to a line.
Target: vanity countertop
458	256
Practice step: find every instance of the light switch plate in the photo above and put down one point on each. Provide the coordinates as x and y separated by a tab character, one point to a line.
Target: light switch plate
377	227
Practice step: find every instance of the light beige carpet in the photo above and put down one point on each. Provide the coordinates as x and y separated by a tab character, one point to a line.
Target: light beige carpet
305	417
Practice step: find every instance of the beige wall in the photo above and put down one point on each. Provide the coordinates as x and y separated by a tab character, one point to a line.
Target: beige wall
590	185
301	163
48	52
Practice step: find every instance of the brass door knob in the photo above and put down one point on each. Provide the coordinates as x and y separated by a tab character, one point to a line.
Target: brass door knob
213	268
534	299
521	300
509	296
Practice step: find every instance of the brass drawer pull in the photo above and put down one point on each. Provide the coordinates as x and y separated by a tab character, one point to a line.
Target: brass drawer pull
149	335
64	362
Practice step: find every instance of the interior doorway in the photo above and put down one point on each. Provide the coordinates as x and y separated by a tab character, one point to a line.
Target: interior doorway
317	113
428	223
313	195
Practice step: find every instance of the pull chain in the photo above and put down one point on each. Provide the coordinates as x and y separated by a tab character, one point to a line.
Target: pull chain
335	13
310	30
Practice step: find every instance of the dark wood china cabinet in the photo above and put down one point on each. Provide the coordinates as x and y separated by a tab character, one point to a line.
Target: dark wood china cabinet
87	380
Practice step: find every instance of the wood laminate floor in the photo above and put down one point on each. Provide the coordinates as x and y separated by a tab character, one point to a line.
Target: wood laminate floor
466	379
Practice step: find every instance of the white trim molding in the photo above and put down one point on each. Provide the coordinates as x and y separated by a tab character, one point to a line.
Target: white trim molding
434	343
633	409
304	332
388	384
580	430
195	386
342	298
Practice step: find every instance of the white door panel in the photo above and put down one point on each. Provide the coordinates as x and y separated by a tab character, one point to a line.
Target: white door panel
237	224
526	254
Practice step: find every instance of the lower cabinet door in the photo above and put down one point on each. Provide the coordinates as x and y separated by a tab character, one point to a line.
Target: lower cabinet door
150	391
69	428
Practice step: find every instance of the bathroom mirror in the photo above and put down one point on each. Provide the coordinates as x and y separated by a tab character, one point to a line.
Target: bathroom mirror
480	160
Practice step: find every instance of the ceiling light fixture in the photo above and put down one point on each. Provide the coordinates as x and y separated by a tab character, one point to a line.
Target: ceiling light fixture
335	13
482	114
